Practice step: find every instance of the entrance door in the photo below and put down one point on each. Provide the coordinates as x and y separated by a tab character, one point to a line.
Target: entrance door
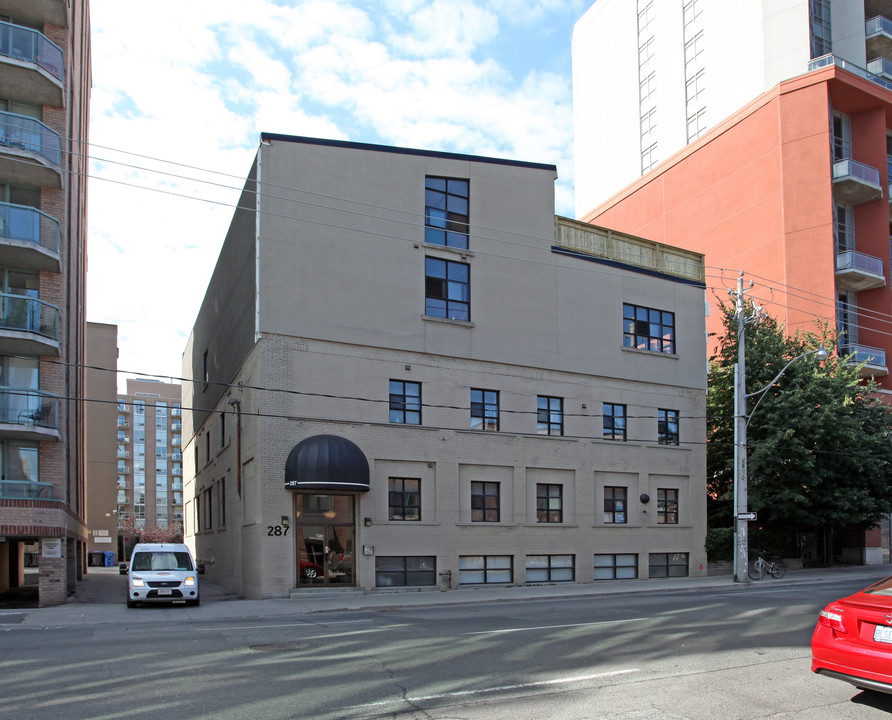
325	540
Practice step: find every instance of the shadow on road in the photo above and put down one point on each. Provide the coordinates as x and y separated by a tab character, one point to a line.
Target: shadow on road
876	700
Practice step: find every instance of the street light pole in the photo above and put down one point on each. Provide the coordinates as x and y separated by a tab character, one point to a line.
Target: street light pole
741	422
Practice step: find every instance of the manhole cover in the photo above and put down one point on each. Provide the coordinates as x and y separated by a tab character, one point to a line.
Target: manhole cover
274	647
12	617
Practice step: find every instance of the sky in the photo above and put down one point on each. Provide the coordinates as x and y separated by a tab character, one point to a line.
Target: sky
181	94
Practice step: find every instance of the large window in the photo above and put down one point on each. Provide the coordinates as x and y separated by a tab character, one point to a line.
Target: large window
550	568
615	505
616	567
485	502
404	499
550	415
614	421
648	329
667	506
549	503
447	289
484	569
407	571
667	427
663	565
484	409
405	402
446	212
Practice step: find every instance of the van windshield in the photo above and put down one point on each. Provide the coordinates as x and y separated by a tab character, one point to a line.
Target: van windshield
162	560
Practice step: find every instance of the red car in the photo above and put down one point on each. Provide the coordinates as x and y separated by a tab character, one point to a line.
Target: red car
853	639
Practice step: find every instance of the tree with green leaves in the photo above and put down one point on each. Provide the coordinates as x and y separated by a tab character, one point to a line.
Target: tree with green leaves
819	440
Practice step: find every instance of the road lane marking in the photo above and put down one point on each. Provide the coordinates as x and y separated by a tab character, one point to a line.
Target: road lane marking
501	688
304	624
553	627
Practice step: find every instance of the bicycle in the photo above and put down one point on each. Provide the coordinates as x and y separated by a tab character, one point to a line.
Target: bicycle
763	566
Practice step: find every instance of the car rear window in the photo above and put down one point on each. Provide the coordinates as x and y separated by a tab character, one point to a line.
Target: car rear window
162	561
883	587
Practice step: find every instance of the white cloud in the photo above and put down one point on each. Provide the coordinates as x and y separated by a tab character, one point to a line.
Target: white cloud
198	84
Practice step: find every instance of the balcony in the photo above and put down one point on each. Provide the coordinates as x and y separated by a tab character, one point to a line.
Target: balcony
856	271
881	68
123	468
54	12
123	424
878	36
123	407
855	183
30	152
28	326
27	414
123	455
33	69
25	490
29	238
874	359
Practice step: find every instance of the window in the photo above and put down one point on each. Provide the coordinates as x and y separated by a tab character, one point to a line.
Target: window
485	569
221	495
485	502
550	415
446	212
447	289
406	571
667	427
207	445
484	409
549	502
664	565
222	430
615	505
209	509
405	402
614	421
616	567
204	371
404	499
648	329
550	568
821	43
667	506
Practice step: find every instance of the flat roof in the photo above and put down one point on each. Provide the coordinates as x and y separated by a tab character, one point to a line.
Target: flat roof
264	136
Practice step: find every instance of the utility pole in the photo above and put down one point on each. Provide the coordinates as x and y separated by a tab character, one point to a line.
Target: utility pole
741	491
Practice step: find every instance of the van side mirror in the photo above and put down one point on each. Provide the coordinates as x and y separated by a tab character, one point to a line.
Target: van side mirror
201	568
122	568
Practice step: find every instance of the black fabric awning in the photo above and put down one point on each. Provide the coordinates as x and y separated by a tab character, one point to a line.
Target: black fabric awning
327	462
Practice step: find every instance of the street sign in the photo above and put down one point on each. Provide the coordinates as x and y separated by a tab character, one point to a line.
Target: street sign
746	516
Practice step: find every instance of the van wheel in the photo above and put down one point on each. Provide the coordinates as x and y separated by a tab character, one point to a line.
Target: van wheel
131	603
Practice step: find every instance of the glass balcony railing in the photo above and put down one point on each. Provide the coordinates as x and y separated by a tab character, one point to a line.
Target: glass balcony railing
21	43
880	66
848	168
25	490
826	60
24	406
25	133
18	312
858	354
878	25
28	224
851	260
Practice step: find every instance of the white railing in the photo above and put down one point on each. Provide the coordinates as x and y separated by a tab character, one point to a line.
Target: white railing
851	260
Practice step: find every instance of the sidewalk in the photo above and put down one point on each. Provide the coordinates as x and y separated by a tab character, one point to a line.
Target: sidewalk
101	597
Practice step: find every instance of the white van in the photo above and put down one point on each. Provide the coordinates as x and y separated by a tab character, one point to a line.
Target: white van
161	572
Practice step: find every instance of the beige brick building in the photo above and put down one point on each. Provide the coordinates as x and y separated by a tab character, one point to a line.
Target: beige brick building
408	372
44	115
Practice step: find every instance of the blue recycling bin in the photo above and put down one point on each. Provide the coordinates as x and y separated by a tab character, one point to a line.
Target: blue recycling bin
109	558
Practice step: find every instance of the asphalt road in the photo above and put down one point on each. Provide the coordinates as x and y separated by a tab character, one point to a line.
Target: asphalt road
715	653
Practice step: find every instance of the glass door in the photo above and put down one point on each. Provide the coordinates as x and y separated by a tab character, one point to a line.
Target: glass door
325	540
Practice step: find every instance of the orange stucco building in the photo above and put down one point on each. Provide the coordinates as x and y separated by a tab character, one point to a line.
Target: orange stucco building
792	190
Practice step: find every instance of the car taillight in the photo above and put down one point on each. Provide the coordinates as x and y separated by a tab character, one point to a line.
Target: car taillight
831	616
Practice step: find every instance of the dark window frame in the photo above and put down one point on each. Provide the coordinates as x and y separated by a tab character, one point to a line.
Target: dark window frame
485	410
667	427
667	506
427	576
668	564
403	502
648	329
447	211
545	510
447	293
547	408
616	502
614	567
552	571
405	409
481	510
615	424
